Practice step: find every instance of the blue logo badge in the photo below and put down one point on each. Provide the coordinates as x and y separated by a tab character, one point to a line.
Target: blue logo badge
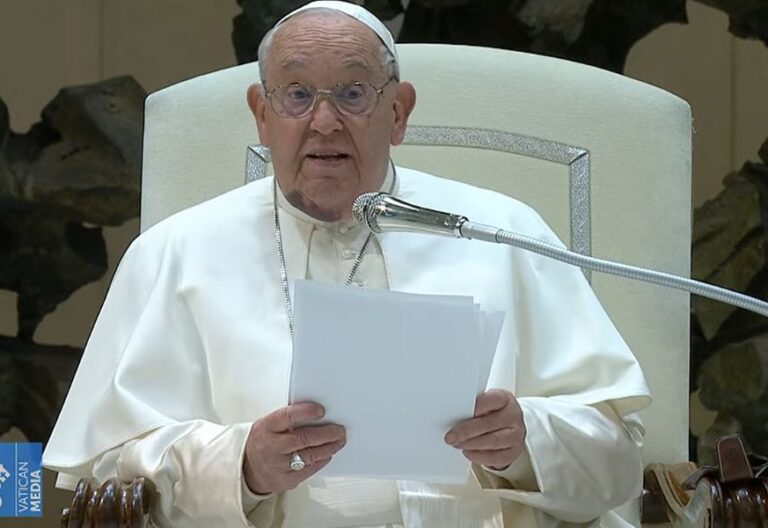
21	480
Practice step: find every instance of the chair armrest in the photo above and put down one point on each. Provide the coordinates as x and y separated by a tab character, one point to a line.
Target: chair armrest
117	505
110	505
663	495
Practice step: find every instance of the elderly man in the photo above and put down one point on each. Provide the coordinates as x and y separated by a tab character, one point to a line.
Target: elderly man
184	379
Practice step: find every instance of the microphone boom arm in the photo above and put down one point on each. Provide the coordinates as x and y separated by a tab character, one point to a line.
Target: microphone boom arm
381	212
491	234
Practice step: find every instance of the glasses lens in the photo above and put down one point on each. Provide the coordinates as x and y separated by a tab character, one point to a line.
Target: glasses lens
354	98
293	100
296	100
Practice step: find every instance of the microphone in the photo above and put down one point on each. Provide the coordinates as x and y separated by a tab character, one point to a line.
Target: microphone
381	212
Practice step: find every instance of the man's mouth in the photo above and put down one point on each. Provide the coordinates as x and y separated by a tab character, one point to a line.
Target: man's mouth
328	156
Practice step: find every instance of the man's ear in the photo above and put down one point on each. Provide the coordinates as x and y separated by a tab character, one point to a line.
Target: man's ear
405	100
257	102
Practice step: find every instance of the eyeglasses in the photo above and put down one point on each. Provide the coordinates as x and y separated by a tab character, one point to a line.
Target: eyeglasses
350	99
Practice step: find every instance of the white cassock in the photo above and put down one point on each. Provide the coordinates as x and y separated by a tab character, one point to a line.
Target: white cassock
192	345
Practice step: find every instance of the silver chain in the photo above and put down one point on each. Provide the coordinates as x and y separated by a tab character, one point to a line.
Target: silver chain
281	253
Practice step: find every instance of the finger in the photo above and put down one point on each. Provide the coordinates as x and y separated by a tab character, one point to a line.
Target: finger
297	477
290	416
314	455
475	427
311	436
502	439
492	400
496	459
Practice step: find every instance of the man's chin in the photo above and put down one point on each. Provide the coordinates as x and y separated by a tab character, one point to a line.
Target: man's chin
318	208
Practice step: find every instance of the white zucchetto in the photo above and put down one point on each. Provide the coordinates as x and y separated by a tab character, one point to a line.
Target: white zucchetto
355	11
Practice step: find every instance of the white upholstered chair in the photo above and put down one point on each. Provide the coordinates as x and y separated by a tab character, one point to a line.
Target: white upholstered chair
604	158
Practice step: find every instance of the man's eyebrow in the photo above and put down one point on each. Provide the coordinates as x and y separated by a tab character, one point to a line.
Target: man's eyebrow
290	64
355	62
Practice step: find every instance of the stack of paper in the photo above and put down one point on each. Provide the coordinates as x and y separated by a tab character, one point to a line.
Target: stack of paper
398	370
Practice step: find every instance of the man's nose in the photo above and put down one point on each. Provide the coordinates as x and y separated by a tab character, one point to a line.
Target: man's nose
325	117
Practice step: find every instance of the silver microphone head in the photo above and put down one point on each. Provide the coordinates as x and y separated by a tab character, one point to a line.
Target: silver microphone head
382	212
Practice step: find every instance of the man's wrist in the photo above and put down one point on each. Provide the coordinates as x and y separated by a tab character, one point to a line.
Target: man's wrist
520	473
250	499
250	481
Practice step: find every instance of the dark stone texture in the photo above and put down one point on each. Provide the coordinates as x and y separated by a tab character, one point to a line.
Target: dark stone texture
597	32
729	353
748	18
734	381
5	132
252	24
389	9
729	243
612	27
565	18
83	159
706	450
74	171
30	376
735	377
45	259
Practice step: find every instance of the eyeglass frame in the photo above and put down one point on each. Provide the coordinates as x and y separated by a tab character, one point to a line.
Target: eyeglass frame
329	95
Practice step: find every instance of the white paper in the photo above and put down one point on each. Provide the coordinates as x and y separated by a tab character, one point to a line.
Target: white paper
491	324
398	370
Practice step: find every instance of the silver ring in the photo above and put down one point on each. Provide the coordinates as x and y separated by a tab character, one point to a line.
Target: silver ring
297	463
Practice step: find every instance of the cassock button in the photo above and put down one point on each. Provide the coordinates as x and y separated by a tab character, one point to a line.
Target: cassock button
348	254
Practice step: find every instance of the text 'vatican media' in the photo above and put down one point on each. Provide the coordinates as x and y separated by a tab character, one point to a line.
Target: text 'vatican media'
21	480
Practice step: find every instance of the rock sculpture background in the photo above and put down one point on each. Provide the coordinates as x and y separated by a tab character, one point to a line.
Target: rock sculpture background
597	32
729	354
76	170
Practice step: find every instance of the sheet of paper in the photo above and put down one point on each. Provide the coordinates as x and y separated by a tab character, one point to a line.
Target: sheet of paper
397	370
490	324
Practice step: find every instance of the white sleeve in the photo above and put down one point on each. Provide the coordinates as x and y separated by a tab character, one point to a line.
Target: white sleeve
581	460
196	470
140	406
579	387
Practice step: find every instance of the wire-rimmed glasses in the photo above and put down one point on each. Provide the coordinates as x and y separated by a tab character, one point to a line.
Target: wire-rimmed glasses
297	100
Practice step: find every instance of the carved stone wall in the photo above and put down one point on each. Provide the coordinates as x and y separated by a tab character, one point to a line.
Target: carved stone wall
729	356
76	170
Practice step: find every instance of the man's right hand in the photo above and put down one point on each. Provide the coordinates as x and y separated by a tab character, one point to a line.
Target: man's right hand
274	438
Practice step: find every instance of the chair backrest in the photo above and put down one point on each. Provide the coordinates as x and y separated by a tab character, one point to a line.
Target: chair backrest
604	158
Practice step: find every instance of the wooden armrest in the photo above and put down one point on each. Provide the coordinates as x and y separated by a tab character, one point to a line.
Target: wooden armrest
732	494
663	494
118	505
110	505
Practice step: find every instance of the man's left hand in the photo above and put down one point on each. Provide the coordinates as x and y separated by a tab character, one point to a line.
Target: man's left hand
495	437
